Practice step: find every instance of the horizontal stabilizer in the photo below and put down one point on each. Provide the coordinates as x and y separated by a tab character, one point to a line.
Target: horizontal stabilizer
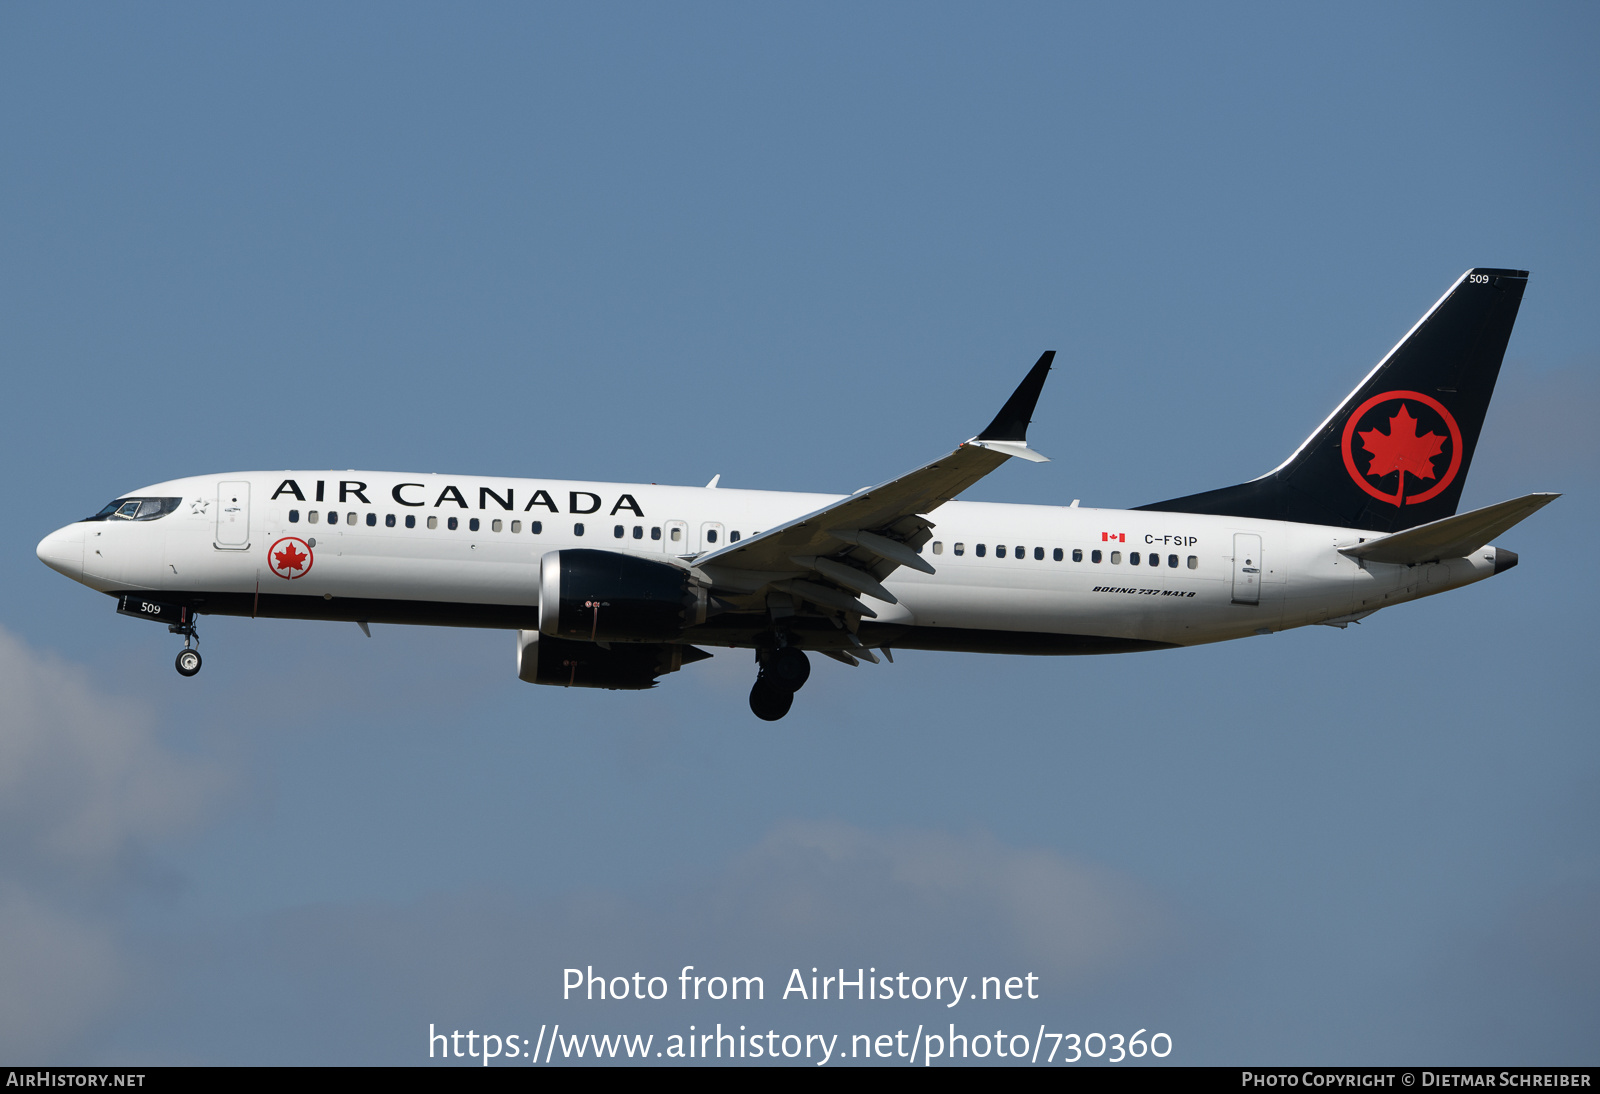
1452	537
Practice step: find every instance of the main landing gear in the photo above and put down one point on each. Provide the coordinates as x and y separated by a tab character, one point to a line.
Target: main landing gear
783	672
188	662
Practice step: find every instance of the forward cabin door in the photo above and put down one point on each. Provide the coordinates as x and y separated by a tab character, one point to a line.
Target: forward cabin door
233	515
1246	568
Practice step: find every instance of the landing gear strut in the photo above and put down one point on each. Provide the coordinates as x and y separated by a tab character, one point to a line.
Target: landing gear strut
188	662
783	672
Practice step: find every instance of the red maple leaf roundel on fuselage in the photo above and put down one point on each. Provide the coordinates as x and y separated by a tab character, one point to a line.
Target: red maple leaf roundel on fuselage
290	557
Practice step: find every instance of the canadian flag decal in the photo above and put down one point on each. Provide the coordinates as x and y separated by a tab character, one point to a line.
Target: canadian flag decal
1113	537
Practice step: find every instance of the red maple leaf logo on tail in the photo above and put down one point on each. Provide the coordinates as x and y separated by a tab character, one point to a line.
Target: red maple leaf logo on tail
1402	450
289	558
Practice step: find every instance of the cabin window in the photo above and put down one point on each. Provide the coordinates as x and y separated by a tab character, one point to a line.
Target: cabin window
411	520
497	526
388	520
453	523
1116	558
472	525
1172	562
535	527
294	516
938	546
638	531
433	522
577	529
733	537
655	533
333	518
372	520
1133	559
1095	556
960	548
999	550
711	535
618	532
979	550
1022	552
1038	554
677	535
516	527
1077	554
311	517
1194	562
350	518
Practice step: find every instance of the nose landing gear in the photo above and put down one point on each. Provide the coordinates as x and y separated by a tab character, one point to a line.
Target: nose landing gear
783	672
156	611
188	662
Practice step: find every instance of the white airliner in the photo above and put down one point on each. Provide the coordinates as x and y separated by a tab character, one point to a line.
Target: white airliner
613	585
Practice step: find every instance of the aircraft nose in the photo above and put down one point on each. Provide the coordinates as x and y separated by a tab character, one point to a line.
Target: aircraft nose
62	551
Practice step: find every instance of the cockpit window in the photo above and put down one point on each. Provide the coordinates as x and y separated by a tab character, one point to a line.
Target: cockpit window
137	509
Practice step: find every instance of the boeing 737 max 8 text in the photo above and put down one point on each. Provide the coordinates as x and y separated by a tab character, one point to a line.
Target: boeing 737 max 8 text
615	585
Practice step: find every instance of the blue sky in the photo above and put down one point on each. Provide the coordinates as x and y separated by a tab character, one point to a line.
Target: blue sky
804	248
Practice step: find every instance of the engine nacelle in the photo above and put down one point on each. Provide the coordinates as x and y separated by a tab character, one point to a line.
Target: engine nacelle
626	666
607	596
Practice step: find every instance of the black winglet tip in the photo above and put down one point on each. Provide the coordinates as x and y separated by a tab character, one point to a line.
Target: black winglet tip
1011	424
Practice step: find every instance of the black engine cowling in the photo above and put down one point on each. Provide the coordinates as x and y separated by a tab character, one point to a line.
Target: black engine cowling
626	666
607	596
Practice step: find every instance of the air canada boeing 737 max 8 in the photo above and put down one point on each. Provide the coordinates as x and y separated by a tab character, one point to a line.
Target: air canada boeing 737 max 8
614	585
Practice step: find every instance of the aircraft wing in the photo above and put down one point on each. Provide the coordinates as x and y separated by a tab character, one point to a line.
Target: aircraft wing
829	556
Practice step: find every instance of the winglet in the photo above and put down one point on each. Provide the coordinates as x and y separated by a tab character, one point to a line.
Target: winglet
1011	424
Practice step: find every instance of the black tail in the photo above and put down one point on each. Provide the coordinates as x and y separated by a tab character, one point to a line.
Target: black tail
1396	452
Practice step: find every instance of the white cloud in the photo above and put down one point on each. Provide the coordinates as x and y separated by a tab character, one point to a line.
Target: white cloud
354	983
57	971
85	787
930	894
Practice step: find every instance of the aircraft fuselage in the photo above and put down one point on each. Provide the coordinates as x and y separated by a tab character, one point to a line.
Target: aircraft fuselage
1009	578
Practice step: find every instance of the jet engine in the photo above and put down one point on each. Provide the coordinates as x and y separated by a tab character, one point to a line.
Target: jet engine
607	596
627	666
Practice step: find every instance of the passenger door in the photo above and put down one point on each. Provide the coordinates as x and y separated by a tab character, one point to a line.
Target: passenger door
233	516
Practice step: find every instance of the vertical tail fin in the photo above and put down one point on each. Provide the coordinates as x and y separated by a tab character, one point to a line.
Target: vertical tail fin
1395	453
